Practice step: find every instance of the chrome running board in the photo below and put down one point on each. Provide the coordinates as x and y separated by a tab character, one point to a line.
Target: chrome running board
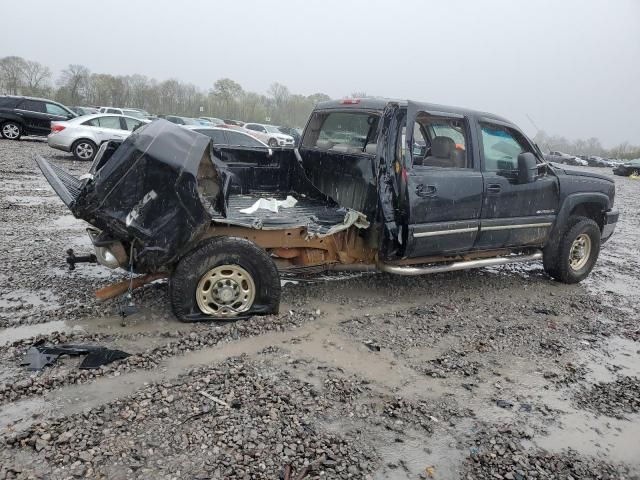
451	267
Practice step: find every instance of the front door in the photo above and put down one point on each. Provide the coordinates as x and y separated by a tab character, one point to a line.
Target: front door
513	214
443	183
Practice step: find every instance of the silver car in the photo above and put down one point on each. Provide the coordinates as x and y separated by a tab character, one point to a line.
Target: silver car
82	136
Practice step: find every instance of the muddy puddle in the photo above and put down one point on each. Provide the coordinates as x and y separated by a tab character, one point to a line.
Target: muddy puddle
43	299
13	334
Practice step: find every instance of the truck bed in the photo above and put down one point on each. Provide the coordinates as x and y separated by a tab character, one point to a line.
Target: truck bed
318	217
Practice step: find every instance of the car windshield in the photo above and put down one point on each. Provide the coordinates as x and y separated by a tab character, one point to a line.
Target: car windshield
272	129
191	121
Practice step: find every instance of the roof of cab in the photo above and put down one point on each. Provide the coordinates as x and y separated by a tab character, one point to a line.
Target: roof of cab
380	104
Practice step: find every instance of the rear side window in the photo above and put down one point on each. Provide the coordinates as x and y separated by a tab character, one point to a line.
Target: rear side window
342	132
501	147
8	102
216	135
104	122
242	140
131	123
32	106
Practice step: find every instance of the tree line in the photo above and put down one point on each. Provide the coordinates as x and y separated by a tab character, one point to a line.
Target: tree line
76	85
589	146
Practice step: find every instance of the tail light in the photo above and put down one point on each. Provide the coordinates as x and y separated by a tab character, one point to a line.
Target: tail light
350	101
55	128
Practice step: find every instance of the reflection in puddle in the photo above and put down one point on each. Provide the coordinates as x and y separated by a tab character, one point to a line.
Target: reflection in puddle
10	335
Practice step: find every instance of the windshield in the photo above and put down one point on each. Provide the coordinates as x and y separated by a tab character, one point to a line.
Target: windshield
272	129
349	132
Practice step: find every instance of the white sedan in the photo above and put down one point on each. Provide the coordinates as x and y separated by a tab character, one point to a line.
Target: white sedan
269	134
82	136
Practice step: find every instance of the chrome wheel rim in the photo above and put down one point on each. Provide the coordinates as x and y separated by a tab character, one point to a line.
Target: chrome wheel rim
11	131
225	291
580	251
84	150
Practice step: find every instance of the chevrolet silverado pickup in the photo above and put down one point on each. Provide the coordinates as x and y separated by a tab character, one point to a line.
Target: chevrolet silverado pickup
399	187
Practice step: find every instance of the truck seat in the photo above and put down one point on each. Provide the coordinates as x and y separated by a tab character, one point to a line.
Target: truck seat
443	153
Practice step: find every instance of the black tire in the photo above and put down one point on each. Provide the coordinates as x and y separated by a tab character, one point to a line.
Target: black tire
273	142
11	130
558	264
215	252
84	150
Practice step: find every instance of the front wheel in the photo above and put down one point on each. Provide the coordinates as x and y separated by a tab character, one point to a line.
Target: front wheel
224	278
11	130
577	252
273	142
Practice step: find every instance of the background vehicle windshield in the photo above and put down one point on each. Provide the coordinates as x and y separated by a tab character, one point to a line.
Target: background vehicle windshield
272	129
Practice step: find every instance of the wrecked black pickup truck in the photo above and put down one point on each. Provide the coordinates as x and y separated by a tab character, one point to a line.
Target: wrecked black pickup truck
393	186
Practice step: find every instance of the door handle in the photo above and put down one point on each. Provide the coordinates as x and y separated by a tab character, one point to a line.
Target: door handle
494	188
426	190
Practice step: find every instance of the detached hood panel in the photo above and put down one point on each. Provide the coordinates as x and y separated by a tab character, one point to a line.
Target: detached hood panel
145	193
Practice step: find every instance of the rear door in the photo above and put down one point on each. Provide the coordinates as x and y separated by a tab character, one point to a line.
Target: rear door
513	214
110	128
35	117
443	183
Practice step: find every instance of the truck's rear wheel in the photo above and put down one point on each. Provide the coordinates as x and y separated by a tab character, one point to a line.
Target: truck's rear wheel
577	252
224	278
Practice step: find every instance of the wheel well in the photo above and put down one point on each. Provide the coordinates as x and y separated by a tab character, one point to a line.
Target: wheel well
594	211
75	142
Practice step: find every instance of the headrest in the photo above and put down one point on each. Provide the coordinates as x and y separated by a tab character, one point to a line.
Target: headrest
324	144
371	148
442	147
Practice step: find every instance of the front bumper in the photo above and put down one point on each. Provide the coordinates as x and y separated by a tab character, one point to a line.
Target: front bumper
610	221
285	143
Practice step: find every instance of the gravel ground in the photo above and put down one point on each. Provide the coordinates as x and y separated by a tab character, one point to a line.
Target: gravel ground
494	373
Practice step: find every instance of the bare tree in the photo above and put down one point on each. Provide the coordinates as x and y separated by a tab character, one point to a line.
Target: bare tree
36	78
75	81
12	74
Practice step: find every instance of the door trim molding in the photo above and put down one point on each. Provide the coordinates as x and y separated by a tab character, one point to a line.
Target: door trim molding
445	232
516	226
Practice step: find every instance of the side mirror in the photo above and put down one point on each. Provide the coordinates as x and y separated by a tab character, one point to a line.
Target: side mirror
527	167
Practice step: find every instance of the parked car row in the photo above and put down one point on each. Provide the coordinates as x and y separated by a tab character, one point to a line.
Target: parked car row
628	168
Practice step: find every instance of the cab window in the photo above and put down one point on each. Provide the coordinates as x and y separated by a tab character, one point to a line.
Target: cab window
439	142
343	132
501	147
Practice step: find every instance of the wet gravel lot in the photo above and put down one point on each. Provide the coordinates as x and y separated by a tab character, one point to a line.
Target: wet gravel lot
496	373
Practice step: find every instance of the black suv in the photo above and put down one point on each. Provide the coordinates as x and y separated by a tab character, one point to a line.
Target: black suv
29	116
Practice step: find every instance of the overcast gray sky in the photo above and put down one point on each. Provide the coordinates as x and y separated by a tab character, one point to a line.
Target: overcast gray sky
573	66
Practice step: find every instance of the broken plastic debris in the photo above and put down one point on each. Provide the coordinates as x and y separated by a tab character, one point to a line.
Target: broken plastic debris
270	204
40	356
